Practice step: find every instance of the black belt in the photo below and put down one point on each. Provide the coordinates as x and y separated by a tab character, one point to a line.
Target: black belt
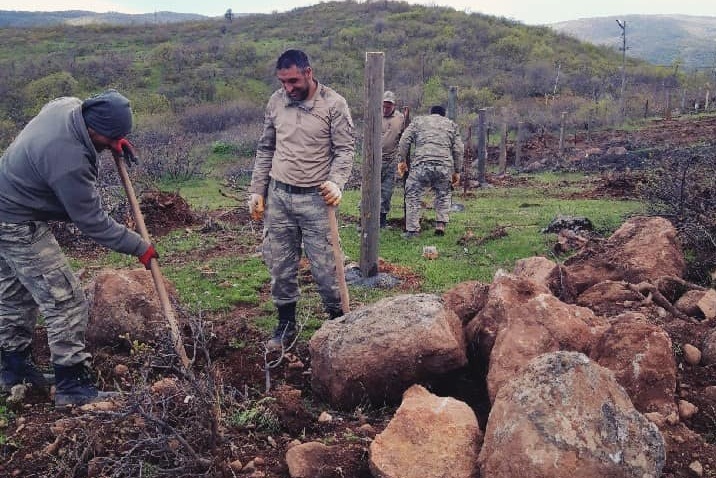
295	189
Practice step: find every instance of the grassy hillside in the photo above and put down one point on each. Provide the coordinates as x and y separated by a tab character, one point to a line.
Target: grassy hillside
194	83
659	39
22	19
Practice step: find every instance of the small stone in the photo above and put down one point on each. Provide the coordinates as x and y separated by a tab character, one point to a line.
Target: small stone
250	467
121	370
692	355
99	407
271	441
687	409
710	392
17	394
672	418
297	365
236	465
325	417
696	468
258	461
656	418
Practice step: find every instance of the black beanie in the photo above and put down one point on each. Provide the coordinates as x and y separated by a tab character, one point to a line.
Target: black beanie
108	113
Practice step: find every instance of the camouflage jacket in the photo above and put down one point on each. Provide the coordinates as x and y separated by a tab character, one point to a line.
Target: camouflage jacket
436	140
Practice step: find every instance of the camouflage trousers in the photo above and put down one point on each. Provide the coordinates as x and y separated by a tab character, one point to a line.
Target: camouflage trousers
35	277
387	182
292	221
421	177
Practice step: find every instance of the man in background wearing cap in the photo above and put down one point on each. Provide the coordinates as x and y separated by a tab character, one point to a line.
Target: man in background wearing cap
49	172
393	125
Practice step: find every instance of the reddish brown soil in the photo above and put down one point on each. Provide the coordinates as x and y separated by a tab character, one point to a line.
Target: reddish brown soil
234	347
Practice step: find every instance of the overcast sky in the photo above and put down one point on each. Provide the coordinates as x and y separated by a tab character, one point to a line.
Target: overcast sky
532	12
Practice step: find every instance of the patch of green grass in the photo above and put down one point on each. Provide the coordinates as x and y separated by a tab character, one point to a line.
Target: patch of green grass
497	227
5	416
257	415
506	224
202	194
181	241
218	284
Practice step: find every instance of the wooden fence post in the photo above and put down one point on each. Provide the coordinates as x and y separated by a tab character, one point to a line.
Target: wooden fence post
561	133
452	103
481	146
667	108
518	144
502	162
372	161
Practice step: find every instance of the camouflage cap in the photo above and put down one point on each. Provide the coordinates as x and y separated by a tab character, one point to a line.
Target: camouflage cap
389	96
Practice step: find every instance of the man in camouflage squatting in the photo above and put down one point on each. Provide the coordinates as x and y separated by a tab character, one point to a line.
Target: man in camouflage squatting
49	172
393	124
435	163
303	159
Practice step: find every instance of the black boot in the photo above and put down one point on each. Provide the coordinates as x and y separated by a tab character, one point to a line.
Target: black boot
75	386
285	331
16	367
383	220
334	313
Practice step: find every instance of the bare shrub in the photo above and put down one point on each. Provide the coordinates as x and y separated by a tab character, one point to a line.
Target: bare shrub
683	189
170	155
164	426
210	118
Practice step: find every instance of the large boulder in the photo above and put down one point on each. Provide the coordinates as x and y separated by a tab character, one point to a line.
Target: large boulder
375	353
610	298
542	324
708	349
429	437
125	302
564	416
547	273
642	249
466	299
507	295
642	359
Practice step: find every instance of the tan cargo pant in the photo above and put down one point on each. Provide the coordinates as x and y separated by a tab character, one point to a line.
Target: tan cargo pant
35	277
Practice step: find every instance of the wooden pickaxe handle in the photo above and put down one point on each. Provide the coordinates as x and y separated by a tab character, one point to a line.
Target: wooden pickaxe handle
154	265
338	258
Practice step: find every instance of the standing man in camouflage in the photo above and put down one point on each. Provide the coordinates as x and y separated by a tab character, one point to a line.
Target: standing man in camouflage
393	124
435	163
49	173
303	159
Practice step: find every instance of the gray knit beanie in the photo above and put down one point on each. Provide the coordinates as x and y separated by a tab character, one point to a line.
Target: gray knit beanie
108	113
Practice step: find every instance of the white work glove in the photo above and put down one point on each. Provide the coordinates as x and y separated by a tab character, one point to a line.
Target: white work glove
331	193
256	206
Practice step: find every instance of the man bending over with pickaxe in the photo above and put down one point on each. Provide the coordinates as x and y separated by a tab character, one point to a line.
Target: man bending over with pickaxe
49	172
